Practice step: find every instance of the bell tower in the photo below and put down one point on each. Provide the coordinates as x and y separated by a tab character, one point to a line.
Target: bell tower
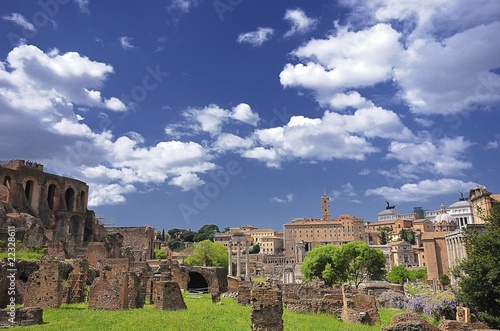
325	208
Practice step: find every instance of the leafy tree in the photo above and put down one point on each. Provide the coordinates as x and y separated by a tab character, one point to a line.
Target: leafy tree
444	280
361	262
255	249
316	261
206	232
160	254
418	274
407	235
208	254
352	262
174	244
384	233
398	274
479	274
182	234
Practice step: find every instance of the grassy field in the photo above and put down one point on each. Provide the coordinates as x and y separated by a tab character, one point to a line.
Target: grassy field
201	315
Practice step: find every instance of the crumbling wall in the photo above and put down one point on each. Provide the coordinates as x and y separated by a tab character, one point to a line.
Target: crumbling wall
21	317
359	306
266	307
116	291
168	296
318	298
44	286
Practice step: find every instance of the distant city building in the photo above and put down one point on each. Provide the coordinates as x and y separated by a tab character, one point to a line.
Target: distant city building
311	232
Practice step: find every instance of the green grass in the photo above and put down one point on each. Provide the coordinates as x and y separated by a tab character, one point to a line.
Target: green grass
23	255
201	315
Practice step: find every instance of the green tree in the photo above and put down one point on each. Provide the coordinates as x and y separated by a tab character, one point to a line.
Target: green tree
206	232
208	254
353	262
479	274
384	233
398	274
418	274
361	262
407	235
317	260
255	249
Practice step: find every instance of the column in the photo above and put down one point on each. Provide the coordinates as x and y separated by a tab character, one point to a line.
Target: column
230	258
247	262
238	260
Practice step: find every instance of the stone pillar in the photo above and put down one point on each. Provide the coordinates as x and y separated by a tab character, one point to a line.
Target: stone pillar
168	296
238	260
266	304
247	262
230	258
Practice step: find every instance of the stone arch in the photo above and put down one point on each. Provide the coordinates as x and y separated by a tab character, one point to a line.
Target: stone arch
31	191
197	282
52	197
69	198
7	180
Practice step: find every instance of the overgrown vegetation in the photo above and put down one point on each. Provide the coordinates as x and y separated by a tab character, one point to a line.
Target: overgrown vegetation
208	254
201	314
479	274
24	253
399	274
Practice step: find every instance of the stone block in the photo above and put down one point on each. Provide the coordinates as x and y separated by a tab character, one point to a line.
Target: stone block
168	296
266	306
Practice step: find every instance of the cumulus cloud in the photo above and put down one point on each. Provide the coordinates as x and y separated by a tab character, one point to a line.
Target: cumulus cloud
345	100
257	37
421	191
42	90
346	59
334	136
211	118
299	21
439	157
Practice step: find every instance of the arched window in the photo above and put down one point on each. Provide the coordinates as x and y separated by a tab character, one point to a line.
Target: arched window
51	195
28	190
6	181
69	197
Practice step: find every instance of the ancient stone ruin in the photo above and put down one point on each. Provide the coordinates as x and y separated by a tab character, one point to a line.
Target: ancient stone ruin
359	306
266	307
23	317
168	296
44	286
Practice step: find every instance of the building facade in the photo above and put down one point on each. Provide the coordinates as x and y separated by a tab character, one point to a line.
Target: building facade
320	231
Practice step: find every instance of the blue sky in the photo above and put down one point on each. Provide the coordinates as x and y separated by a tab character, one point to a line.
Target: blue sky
186	112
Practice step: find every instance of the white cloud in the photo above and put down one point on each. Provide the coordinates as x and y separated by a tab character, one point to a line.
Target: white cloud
464	62
288	198
211	118
345	100
126	42
41	91
115	104
183	6
230	142
20	20
300	22
344	60
421	191
108	194
244	113
441	157
83	5
334	136
257	37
